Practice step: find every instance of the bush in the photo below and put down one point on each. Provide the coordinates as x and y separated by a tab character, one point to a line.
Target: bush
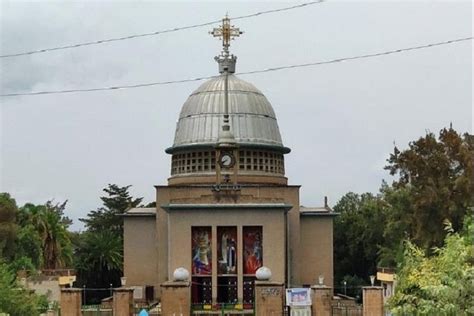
14	299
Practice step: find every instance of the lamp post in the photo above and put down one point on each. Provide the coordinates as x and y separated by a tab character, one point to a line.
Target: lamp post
83	294
345	287
110	289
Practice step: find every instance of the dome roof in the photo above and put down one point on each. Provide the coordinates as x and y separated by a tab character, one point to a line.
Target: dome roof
252	119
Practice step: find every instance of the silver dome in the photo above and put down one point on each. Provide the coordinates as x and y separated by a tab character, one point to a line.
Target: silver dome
252	119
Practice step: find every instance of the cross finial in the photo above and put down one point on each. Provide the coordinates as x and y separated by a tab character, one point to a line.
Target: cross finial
226	32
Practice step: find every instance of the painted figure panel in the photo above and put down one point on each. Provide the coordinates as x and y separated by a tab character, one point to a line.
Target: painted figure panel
201	251
253	251
227	250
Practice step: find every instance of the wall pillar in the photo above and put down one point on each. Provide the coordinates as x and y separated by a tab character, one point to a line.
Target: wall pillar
71	301
269	298
372	300
123	302
321	301
176	298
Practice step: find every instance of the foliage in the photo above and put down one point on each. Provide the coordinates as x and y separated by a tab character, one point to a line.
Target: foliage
22	263
434	183
358	236
56	244
14	299
98	260
8	227
116	202
396	226
41	240
438	175
45	225
98	252
440	284
28	245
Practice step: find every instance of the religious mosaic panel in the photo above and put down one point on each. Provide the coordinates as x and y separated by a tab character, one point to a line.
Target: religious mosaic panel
227	250
201	250
253	251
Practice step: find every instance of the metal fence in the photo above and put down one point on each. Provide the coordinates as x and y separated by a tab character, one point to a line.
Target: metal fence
96	310
347	310
223	309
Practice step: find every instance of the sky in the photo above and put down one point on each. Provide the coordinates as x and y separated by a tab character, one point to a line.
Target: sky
340	120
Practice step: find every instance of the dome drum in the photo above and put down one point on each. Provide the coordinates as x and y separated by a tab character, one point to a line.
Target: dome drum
250	161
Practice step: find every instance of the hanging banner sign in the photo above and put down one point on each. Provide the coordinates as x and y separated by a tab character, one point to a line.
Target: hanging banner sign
298	297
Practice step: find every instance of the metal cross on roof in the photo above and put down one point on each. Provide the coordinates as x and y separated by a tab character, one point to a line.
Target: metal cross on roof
226	32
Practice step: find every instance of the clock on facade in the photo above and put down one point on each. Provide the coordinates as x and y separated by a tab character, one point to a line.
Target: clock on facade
226	160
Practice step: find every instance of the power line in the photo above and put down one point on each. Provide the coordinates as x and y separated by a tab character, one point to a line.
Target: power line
395	51
140	85
103	41
318	63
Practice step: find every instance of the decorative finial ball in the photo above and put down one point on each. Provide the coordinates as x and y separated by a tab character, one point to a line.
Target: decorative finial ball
263	274
181	274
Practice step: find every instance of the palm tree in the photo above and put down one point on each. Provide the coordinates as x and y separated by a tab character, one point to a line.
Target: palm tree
55	243
98	260
101	251
57	251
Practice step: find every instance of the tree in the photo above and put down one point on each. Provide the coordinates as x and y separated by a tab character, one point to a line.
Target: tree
98	252
117	201
14	299
434	183
56	244
397	225
47	223
98	260
8	227
437	174
358	236
440	284
28	245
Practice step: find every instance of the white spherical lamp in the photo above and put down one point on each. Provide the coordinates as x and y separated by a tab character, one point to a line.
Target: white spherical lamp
180	274
263	274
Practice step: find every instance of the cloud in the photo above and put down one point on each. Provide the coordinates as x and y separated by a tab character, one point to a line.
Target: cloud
338	119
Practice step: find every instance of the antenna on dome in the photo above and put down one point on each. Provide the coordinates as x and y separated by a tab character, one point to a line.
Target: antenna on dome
226	61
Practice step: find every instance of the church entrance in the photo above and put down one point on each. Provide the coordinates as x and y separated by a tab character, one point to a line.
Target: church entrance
224	262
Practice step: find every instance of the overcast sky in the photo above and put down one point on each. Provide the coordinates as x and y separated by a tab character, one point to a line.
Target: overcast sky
340	120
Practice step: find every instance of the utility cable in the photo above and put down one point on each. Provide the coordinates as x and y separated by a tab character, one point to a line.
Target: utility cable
395	51
318	63
103	41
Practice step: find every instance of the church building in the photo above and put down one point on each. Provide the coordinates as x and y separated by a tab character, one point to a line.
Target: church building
227	208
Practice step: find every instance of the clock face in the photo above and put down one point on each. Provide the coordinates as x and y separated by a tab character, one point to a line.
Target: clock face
226	160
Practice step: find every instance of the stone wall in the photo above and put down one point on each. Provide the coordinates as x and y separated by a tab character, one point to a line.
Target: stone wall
45	285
